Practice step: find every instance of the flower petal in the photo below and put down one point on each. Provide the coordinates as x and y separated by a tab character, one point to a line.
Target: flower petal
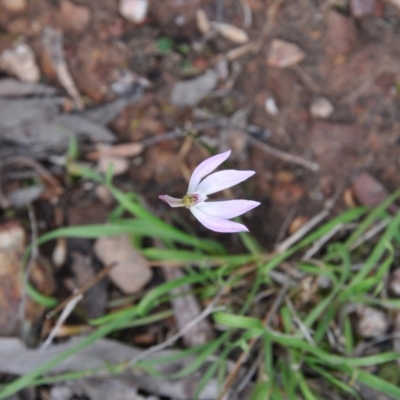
227	209
222	180
172	201
206	167
217	224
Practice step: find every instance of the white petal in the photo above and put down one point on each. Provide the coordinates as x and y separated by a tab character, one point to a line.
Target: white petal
172	201
227	209
217	224
206	167
222	180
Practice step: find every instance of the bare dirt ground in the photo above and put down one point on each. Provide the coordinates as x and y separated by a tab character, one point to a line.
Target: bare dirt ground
351	60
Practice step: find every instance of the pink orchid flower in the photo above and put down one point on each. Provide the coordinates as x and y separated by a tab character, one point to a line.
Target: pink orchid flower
214	215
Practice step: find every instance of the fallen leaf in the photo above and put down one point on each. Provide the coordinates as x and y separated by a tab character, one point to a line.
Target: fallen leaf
121	150
131	272
284	54
186	309
20	62
348	198
192	91
14	88
24	196
30	123
231	32
59	255
22	360
14	5
119	165
297	223
52	41
203	23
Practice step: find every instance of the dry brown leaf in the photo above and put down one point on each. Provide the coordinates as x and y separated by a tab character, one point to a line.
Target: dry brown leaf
119	165
297	223
284	54
125	150
131	272
203	23
52	41
231	32
14	5
186	308
20	62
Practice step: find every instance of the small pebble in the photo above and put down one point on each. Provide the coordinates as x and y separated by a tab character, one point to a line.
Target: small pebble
321	107
371	321
270	106
134	10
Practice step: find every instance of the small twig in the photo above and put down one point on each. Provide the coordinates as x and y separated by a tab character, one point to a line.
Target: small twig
282	155
269	23
204	314
70	306
35	165
370	234
319	243
291	240
81	290
307	80
243	357
247	16
179	132
285	225
304	330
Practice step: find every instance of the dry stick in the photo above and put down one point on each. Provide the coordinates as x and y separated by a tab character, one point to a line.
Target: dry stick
242	358
285	225
204	314
177	133
247	16
319	243
81	290
33	164
307	80
64	315
370	234
286	244
282	155
271	14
